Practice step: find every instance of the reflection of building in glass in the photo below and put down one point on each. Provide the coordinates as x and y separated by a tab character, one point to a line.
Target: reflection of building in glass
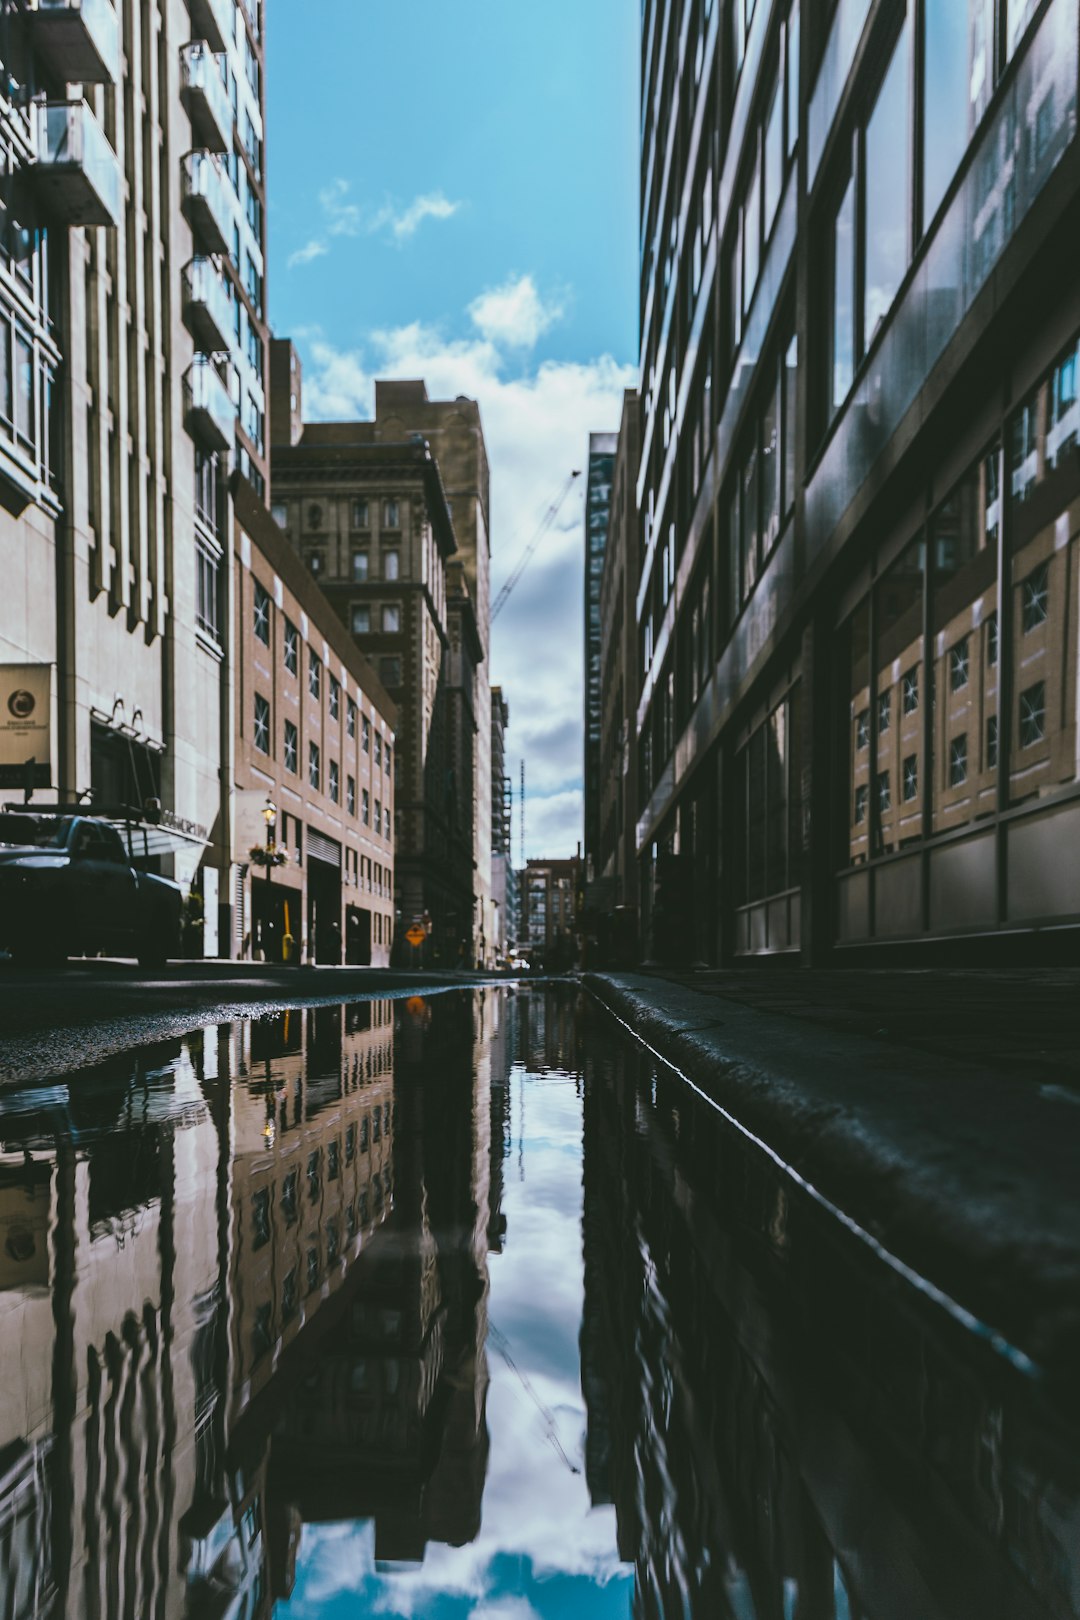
854	622
782	1430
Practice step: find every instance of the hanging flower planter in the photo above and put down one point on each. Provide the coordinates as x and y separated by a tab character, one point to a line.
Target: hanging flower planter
268	857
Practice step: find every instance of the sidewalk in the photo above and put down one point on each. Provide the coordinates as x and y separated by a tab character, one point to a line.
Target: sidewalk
939	1111
56	1021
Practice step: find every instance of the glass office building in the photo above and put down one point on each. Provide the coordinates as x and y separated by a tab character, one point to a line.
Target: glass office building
859	485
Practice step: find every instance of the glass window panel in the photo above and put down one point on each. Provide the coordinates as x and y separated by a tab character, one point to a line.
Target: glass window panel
755	812
887	189
792	60
770	469
1018	13
843	301
774	158
855	776
776	809
752	235
791	361
749	522
898	658
956	89
964	554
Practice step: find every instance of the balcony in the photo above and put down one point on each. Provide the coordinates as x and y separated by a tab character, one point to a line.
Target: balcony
79	39
206	202
208	306
77	172
209	413
214	21
203	92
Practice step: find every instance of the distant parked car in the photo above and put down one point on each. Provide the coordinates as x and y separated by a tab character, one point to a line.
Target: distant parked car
68	887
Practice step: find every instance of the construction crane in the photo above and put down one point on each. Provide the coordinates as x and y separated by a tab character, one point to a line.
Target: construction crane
546	523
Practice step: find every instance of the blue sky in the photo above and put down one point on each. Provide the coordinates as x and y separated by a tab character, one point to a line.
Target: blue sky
543	1552
453	194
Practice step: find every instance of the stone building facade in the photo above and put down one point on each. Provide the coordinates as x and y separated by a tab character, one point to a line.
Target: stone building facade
369	518
133	303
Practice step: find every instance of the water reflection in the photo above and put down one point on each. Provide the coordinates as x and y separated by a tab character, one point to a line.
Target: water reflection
790	1432
325	1314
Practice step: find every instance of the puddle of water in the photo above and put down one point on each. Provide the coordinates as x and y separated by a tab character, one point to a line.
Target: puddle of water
460	1308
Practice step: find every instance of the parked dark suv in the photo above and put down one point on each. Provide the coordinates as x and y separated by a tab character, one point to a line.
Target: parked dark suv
68	887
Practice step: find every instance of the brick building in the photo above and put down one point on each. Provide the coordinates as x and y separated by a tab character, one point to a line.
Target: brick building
315	739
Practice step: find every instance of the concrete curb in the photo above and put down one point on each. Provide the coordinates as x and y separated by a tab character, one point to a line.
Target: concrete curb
964	1174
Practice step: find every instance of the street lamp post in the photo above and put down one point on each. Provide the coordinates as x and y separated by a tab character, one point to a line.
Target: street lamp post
269	815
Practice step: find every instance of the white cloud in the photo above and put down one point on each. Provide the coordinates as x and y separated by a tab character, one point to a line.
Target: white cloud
537	427
514	314
311	250
344	217
403	223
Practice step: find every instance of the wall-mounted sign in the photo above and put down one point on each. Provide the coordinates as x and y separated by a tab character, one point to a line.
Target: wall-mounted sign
25	725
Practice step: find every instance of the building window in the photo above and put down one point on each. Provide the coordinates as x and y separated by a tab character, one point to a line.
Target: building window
391	618
365	807
992	743
335	698
292	748
391	518
206	467
365	736
335	787
1036	598
884	796
862	729
843	298
314	766
350	718
391	564
262	1331
316	563
958	760
360	514
291	647
314	676
207	613
959	665
378	818
885	227
361	564
909	690
261	621
289	1196
312	1269
290	1296
260	1218
1033	715
350	795
378	748
387	752
992	640
884	712
862	799
910	778
262	724
361	619
390	672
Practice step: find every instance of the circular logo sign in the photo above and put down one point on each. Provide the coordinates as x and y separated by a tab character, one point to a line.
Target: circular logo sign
21	704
